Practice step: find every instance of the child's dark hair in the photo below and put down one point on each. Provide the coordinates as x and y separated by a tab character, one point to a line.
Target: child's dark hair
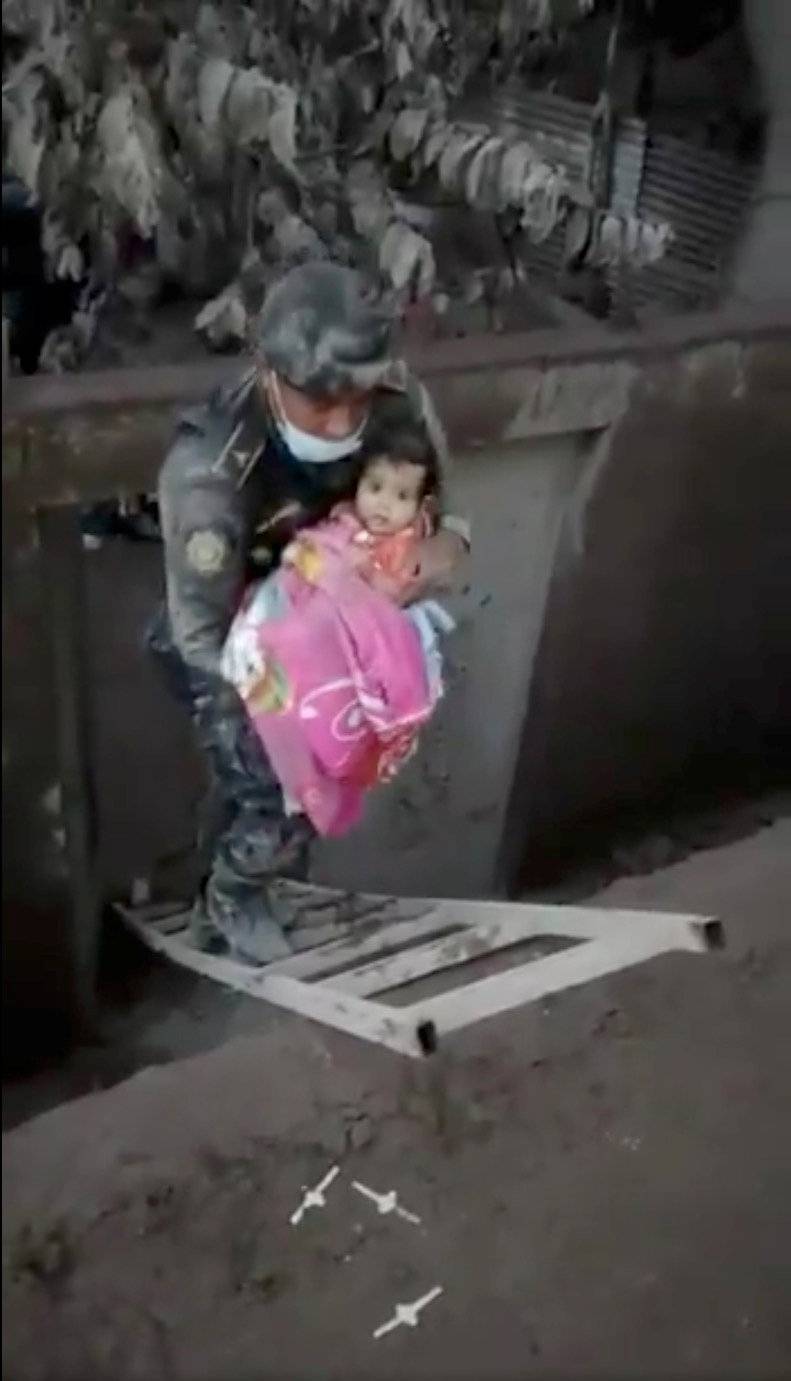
394	431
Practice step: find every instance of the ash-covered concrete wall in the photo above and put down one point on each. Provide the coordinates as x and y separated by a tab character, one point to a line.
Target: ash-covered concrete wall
664	668
623	627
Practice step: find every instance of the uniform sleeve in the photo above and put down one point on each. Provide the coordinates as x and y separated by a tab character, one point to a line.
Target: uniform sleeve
204	553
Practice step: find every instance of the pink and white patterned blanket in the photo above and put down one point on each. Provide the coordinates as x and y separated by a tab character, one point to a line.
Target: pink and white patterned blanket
334	676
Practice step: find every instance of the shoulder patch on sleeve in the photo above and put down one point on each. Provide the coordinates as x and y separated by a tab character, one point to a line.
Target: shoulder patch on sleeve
208	551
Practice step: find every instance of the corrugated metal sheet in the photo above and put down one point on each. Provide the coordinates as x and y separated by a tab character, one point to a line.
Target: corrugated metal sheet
705	196
627	166
560	129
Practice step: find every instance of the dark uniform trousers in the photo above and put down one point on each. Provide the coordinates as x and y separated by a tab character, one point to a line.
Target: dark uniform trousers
246	838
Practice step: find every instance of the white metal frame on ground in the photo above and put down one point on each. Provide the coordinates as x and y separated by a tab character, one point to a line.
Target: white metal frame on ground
386	943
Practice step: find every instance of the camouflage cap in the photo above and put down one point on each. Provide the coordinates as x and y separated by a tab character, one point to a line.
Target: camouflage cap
323	328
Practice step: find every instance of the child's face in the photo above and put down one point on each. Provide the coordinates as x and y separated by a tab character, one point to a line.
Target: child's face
389	495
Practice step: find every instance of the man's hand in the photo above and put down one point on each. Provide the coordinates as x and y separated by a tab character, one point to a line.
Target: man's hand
436	559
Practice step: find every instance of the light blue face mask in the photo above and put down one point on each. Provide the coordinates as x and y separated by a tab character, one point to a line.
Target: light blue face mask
313	450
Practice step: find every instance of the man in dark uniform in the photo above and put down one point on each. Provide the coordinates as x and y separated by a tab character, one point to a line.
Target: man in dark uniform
245	472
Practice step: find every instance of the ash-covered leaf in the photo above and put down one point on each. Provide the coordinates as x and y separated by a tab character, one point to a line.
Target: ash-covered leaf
223	321
188	138
406	132
130	170
64	257
250	103
482	178
25	119
542	200
578	230
283	126
402	61
516	163
261	111
626	239
182	65
457	150
369	202
412	18
407	259
212	30
437	138
655	238
214	79
67	347
297	242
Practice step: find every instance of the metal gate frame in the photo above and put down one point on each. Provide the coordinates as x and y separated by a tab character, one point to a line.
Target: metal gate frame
376	952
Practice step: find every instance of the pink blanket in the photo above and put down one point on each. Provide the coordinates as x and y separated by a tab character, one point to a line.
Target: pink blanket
334	678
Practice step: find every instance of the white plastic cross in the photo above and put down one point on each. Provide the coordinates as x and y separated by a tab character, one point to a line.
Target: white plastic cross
408	1314
314	1198
386	1203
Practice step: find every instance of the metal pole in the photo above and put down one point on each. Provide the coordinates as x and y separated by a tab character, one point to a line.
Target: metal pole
63	569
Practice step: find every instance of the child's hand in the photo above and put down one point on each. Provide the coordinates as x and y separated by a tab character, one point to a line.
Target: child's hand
436	559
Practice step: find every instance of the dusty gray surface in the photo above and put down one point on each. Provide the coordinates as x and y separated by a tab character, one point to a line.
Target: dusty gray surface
604	1185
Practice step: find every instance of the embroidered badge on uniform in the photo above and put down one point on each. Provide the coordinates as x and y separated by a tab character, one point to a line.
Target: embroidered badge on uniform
207	551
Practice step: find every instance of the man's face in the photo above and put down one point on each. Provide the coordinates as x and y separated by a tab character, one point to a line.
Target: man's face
331	418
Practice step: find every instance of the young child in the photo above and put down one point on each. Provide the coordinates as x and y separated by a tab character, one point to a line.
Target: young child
393	510
336	676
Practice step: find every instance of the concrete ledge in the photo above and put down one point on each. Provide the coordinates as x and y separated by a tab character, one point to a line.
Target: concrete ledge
117	388
71	439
